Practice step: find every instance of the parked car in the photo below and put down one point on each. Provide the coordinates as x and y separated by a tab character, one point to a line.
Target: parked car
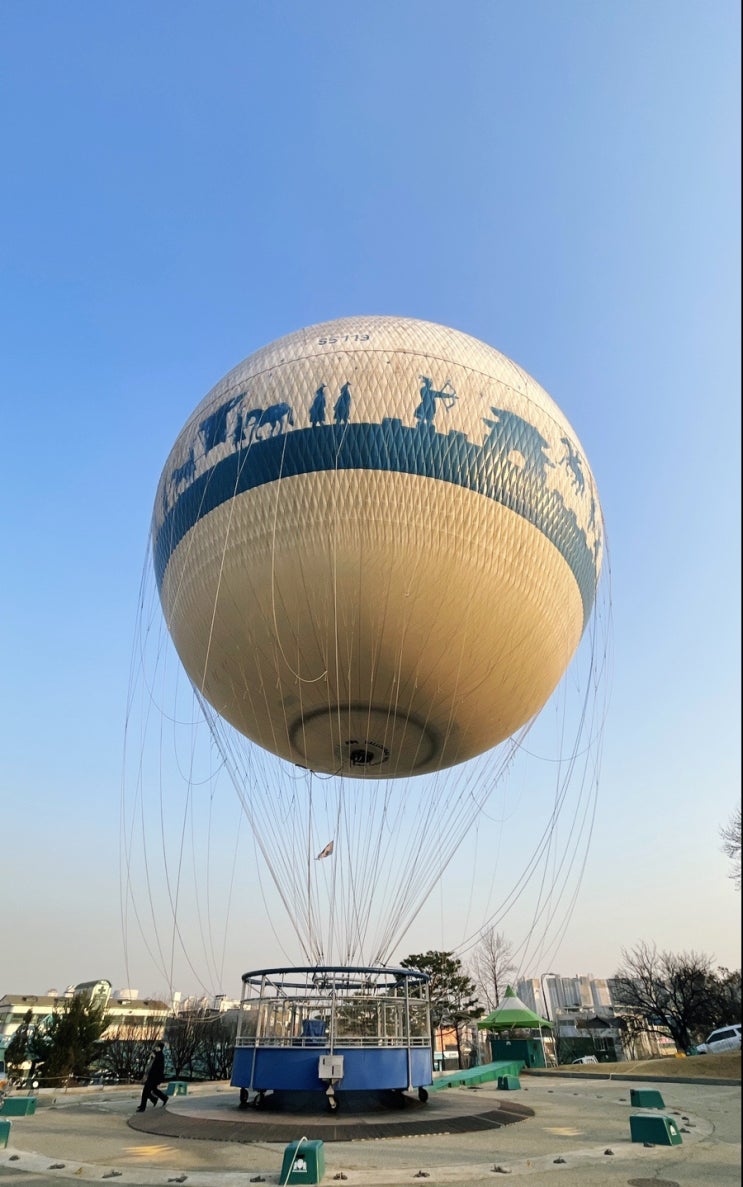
586	1059
725	1038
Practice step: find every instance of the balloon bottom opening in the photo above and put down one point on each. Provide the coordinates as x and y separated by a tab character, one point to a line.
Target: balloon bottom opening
359	740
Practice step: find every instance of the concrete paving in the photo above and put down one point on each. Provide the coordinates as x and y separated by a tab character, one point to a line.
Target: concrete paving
579	1134
361	1115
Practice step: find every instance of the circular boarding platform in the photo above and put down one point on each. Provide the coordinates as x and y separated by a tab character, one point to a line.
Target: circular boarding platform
360	1116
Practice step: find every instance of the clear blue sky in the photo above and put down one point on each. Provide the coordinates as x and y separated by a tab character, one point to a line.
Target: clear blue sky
184	182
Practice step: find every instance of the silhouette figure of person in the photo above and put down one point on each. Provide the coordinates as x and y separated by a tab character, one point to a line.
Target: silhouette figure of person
425	413
342	409
317	407
426	410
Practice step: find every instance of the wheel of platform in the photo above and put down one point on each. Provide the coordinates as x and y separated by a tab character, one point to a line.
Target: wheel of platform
332	1103
258	1100
244	1098
422	1095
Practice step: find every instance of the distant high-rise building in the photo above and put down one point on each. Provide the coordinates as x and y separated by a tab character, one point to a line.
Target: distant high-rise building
550	992
602	998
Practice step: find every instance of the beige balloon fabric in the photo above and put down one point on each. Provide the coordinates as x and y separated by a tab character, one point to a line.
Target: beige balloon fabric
377	543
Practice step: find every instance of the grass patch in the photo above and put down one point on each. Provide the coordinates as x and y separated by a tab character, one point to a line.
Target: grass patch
725	1066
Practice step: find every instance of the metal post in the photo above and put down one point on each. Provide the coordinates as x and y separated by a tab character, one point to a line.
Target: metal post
332	1016
549	1019
407	1034
255	1038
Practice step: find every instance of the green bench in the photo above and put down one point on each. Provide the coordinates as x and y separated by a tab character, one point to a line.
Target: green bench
645	1098
18	1106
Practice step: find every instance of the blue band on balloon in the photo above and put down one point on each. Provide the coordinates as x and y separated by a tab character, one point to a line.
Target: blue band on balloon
394	447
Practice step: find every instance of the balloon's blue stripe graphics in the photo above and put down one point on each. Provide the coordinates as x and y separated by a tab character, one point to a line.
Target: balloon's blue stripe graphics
389	446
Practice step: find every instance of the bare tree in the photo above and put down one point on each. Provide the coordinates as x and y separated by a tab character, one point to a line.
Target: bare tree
127	1047
726	1003
217	1046
668	989
182	1035
730	835
637	1033
452	993
492	967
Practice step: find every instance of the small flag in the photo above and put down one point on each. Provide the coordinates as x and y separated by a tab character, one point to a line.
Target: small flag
326	851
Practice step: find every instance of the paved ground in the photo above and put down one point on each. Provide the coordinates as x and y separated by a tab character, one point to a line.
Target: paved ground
361	1116
576	1123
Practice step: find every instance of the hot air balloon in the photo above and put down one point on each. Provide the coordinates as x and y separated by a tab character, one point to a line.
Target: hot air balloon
377	544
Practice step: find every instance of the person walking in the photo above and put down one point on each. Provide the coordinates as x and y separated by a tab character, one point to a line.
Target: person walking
154	1077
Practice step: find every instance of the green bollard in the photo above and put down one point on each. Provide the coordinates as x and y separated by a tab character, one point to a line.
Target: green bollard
304	1162
658	1130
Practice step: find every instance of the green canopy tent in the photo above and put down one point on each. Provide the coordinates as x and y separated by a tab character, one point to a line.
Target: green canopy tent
513	1014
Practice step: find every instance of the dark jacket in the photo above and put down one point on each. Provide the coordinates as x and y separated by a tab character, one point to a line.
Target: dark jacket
156	1070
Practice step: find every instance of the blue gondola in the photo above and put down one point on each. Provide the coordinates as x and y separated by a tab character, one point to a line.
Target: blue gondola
332	1028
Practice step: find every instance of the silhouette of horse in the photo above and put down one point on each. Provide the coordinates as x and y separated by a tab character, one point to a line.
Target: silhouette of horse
277	416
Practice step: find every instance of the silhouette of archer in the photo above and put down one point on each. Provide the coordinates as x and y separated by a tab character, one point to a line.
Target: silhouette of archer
426	410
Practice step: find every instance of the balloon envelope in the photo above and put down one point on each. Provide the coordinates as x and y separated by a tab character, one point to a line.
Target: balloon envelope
377	543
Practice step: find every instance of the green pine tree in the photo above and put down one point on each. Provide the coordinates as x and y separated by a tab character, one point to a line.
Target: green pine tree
452	993
67	1044
16	1053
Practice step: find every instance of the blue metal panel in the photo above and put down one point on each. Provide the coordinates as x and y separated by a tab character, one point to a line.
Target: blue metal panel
364	1069
421	1071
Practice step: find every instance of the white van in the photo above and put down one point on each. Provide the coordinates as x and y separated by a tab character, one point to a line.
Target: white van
725	1038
